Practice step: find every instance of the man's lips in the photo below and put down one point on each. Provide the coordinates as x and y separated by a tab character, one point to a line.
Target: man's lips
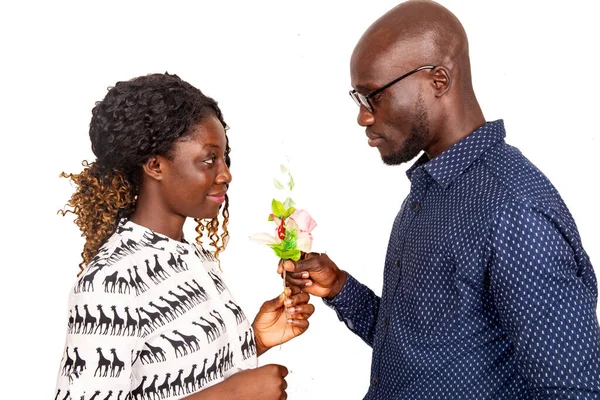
374	140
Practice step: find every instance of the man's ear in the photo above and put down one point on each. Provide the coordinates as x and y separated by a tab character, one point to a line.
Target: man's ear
441	81
152	168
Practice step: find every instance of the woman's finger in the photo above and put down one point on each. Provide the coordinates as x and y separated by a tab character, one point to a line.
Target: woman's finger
299	323
302	309
298	298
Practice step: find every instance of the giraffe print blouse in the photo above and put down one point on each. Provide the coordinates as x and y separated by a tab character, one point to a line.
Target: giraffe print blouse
151	318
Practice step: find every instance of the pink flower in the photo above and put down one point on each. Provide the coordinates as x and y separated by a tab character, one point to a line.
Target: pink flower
303	223
304	220
300	223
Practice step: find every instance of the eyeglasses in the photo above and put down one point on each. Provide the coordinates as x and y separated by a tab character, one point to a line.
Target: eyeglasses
362	100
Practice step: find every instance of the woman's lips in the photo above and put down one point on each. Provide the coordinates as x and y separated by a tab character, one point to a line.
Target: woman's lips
217	197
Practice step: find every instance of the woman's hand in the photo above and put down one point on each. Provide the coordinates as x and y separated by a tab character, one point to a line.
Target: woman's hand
263	383
274	325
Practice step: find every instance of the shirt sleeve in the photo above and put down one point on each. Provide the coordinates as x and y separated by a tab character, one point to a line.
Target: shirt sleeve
357	306
545	293
101	345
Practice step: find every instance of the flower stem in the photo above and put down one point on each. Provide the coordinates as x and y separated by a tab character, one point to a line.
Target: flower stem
285	311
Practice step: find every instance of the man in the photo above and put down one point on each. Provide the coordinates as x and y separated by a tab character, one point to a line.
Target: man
488	293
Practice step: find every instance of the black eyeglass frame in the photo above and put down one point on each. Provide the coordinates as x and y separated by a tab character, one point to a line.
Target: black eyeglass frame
361	99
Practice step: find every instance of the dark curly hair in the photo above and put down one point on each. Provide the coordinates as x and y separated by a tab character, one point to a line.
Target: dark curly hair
137	119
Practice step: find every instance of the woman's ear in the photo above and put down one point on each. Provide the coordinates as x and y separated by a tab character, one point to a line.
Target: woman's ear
152	168
441	81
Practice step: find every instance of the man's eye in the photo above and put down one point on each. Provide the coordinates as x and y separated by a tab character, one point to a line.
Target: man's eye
377	96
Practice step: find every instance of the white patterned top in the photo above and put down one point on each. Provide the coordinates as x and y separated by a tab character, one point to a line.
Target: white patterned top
151	318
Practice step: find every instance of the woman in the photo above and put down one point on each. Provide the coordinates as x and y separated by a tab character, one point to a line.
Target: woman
150	316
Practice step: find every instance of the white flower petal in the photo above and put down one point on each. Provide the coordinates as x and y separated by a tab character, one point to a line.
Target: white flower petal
264	238
304	242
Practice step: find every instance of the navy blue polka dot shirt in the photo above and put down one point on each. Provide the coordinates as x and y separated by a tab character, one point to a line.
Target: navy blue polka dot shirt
488	292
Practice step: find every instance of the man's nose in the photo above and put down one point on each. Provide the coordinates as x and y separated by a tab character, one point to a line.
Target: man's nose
365	117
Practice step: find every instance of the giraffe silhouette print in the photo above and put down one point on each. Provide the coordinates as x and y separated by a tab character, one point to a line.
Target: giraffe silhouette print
151	318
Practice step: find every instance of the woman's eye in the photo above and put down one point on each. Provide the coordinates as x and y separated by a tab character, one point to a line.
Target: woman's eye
211	160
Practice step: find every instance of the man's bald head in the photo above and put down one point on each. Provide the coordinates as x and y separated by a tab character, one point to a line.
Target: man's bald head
414	33
435	106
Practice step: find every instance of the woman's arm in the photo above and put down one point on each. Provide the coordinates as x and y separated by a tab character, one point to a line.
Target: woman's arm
263	383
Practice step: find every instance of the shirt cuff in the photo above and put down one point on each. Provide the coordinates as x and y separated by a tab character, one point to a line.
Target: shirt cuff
344	297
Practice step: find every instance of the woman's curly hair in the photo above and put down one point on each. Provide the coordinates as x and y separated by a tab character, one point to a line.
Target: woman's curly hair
137	119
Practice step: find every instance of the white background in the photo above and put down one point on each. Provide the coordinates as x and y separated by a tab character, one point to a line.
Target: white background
279	70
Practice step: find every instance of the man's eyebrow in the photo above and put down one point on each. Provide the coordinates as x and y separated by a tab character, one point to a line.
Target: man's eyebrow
364	89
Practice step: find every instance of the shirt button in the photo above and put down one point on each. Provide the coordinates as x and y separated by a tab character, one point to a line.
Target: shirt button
415	206
375	380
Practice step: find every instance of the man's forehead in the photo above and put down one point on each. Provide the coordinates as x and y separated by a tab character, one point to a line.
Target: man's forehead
372	66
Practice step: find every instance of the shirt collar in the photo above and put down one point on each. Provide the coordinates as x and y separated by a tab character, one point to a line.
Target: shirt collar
451	163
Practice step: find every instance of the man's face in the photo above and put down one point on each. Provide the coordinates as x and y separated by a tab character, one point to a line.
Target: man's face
399	123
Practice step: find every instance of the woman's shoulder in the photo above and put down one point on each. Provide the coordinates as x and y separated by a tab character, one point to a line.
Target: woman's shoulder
114	268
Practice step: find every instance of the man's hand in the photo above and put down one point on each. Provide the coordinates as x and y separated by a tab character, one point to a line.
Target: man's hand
315	274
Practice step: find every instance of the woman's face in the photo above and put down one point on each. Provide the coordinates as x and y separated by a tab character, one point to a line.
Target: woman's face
196	178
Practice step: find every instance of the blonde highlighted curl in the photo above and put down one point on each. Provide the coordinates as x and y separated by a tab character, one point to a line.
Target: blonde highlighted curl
98	199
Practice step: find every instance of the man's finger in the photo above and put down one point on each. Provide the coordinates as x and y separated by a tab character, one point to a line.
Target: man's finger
301	283
310	264
298	275
289	266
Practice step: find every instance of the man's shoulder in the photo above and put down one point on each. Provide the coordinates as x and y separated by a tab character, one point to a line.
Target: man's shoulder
508	167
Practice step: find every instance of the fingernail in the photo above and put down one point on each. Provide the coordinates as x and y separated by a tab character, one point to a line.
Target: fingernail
289	321
292	309
288	302
305	275
309	283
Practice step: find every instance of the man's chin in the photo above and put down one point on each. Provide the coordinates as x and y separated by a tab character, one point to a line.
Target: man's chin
398	157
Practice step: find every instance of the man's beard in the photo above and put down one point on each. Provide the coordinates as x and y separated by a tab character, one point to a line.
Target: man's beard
413	145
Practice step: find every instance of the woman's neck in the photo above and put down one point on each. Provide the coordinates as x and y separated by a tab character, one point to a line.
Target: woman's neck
157	218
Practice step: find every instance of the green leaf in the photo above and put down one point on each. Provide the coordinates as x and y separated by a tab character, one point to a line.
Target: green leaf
291	255
277	208
289	212
278	184
286	249
270	217
291	182
288	202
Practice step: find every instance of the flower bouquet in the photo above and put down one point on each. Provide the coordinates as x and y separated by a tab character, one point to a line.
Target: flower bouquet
292	237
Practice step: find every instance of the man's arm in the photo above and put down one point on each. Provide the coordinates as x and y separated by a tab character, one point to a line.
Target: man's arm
544	291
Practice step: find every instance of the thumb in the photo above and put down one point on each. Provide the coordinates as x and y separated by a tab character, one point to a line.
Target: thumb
274	304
